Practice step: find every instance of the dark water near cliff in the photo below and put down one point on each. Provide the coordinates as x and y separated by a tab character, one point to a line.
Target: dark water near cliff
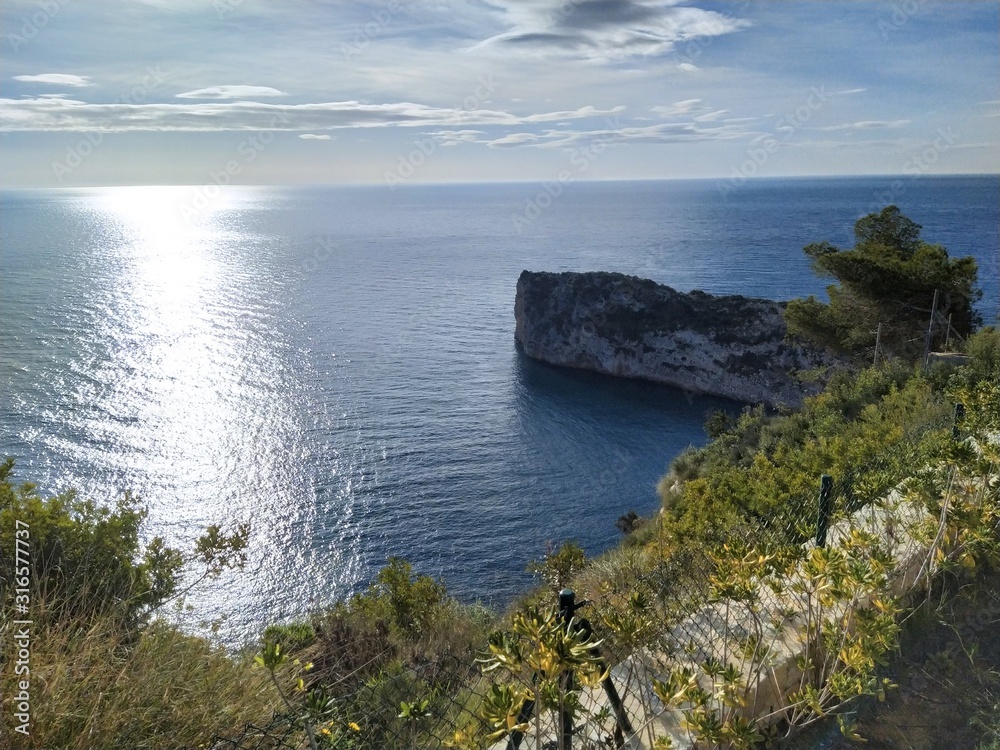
337	365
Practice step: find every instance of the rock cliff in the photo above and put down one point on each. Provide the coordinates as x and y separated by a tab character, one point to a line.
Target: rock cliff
733	346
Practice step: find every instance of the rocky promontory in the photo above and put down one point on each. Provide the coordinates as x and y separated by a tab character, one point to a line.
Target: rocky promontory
734	346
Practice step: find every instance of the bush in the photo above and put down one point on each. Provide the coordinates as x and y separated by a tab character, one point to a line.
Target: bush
889	277
103	672
559	566
867	430
402	619
85	560
292	637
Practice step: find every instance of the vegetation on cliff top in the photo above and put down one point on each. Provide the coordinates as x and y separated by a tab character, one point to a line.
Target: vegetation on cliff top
374	671
890	277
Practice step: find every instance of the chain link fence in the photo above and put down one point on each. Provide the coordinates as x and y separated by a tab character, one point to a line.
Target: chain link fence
637	617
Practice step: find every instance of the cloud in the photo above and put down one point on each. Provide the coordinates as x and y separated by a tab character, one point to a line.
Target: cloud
685	107
314	137
866	125
848	92
687	67
614	134
572	114
991	103
456	137
604	30
231	92
514	139
68	115
711	116
56	79
662	133
694	109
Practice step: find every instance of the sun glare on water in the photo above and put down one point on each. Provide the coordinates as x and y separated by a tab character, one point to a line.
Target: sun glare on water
198	395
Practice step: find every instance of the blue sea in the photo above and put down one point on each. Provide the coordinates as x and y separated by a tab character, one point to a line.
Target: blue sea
337	367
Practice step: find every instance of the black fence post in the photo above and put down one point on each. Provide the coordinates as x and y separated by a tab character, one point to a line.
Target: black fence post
825	508
957	420
567	607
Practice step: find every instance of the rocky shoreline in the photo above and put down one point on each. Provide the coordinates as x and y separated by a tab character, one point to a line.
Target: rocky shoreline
735	347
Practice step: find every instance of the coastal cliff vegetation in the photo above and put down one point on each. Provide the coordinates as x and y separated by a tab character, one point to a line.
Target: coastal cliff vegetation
403	664
888	286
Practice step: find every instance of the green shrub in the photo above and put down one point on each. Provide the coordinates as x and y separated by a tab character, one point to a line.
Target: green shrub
104	672
559	566
85	559
292	636
890	277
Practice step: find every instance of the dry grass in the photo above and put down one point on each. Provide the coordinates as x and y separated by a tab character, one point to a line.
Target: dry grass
93	688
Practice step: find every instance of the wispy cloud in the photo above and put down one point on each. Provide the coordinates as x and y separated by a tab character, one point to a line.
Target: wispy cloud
866	125
315	137
456	137
614	134
51	114
603	29
56	79
231	92
685	107
712	116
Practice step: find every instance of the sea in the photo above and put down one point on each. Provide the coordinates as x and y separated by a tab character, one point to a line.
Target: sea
336	366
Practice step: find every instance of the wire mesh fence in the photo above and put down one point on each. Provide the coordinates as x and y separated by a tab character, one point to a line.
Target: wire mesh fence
599	668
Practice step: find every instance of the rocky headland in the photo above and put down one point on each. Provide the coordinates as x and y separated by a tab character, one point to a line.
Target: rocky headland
736	347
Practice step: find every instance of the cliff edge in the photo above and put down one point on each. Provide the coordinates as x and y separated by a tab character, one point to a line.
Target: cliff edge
622	325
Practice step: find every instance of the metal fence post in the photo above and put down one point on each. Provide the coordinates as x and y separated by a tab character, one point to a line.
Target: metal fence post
957	420
567	606
825	508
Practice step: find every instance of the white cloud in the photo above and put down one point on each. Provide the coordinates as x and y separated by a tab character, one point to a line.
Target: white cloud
56	79
661	133
687	67
514	139
603	30
47	114
231	92
694	109
848	92
573	114
685	107
314	137
866	125
455	137
711	116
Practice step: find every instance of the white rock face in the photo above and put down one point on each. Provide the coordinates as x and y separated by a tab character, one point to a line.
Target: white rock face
733	346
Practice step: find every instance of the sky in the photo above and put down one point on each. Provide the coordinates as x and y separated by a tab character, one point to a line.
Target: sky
127	92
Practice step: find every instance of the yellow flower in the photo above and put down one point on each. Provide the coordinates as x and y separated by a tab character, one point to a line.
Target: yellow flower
354	726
